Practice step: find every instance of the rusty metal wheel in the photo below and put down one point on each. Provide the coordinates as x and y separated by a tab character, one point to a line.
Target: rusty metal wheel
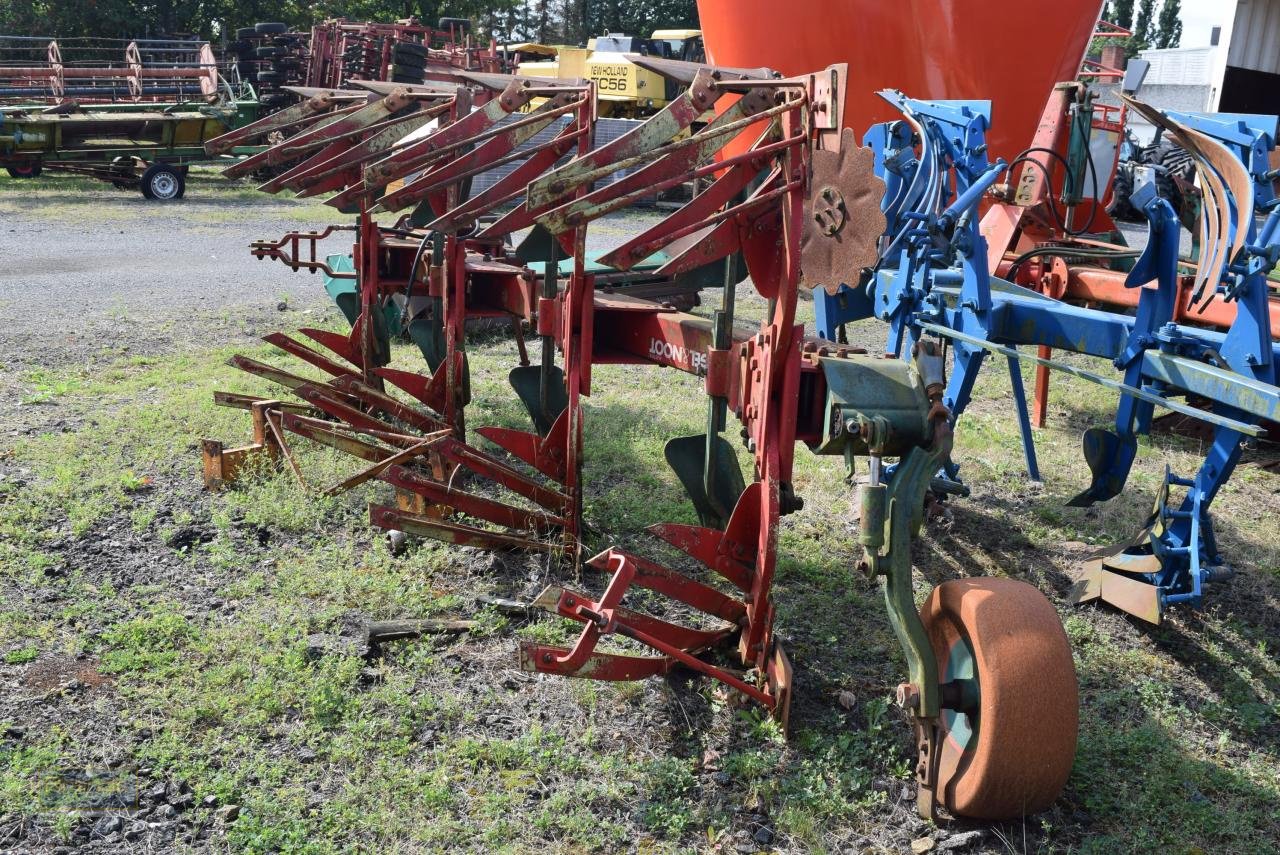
1010	700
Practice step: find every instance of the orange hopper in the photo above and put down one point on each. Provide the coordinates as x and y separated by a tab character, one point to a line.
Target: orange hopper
1011	52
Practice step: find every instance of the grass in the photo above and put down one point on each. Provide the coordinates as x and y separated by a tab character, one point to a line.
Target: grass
206	640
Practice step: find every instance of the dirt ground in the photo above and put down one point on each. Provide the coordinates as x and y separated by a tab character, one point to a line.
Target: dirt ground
185	671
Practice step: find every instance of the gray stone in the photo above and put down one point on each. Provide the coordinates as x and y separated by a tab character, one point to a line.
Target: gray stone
107	825
960	841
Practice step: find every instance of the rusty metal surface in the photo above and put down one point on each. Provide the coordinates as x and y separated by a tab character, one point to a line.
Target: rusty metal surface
1010	755
842	217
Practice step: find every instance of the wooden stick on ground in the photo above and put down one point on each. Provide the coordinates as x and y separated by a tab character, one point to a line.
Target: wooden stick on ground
376	632
381	466
272	418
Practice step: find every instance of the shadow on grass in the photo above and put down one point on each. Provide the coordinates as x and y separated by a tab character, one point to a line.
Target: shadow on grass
1132	764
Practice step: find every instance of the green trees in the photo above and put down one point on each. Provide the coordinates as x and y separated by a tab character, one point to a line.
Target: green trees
1120	12
1169	25
1150	30
572	21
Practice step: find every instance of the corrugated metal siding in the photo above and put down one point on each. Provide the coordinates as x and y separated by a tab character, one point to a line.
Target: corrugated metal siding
1255	36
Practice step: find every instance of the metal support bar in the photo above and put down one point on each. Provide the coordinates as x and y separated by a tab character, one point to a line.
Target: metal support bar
1140	394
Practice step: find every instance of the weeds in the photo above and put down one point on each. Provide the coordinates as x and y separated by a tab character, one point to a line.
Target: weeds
438	746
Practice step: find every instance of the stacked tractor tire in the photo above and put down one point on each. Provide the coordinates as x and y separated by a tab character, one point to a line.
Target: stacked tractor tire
270	58
363	59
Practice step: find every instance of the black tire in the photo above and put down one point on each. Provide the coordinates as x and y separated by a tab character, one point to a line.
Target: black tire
239	47
408	61
406	74
271	78
26	170
1173	163
1176	160
163	183
1121	204
411	49
245	33
268	52
288	40
269	28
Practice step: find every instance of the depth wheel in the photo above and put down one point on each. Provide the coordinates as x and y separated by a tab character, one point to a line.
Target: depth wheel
1010	700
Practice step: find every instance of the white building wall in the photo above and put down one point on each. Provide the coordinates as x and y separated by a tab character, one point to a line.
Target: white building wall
1181	66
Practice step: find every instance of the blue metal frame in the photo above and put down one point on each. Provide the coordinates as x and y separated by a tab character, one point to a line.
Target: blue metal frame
933	274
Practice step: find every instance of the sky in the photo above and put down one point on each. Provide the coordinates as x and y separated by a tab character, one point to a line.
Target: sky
1200	16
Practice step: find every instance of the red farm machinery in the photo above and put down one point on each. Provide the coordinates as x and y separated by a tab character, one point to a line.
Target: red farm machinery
523	489
334	52
916	223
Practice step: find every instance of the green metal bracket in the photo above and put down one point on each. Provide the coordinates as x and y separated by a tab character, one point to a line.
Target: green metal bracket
864	390
881	407
898	511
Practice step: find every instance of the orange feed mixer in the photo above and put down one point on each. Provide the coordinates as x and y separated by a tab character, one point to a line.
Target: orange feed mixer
1010	52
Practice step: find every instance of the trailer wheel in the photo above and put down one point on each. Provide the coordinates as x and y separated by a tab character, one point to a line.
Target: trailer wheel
163	183
408	60
25	170
269	27
1010	699
246	33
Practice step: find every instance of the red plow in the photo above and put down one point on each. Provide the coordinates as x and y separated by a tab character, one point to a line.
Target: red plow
793	197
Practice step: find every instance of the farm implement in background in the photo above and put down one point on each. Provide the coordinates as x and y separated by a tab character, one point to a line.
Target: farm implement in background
127	146
936	280
991	685
336	52
97	71
136	116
